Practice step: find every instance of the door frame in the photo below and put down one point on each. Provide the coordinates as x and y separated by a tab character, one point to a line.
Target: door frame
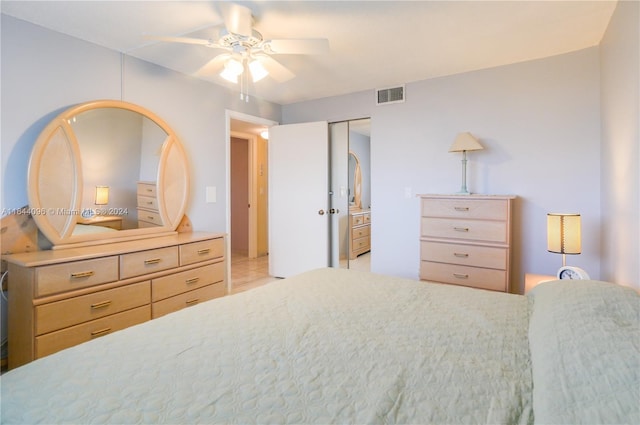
229	115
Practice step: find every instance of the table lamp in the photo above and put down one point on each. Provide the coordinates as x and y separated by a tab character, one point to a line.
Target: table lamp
563	237
102	195
465	142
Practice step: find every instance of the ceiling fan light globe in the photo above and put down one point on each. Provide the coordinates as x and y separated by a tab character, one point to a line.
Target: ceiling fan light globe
258	71
233	66
229	76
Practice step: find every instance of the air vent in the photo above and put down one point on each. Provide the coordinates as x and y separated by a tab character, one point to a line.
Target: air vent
390	95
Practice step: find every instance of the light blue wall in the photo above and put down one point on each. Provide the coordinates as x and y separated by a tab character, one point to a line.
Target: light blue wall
539	122
620	64
44	72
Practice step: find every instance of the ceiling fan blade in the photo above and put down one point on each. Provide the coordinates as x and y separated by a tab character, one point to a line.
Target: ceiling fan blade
185	40
214	66
277	71
292	46
237	19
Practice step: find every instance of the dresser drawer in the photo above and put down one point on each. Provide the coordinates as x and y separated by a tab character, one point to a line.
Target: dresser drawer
359	219
143	262
65	338
148	189
201	251
177	283
188	299
72	311
469	255
478	230
486	209
148	203
361	243
151	217
75	275
360	232
476	277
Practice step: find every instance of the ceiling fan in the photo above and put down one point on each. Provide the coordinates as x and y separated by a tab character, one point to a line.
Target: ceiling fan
247	49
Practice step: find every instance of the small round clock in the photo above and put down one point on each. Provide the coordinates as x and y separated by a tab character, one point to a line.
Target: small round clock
87	213
570	272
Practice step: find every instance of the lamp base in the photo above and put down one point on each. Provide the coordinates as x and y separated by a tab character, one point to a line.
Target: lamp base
463	192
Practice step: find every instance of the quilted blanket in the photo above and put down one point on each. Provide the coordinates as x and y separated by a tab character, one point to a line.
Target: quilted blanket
585	349
328	346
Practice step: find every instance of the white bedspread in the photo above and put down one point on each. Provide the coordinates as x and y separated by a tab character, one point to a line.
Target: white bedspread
329	346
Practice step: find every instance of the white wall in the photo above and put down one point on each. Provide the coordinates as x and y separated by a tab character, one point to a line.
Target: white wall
620	202
44	72
540	125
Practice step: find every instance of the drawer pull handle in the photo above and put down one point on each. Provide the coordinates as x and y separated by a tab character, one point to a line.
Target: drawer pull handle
150	217
461	208
204	251
192	280
80	275
461	229
102	304
461	254
152	261
149	202
461	275
100	332
193	301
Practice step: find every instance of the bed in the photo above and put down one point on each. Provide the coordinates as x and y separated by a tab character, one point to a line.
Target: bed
339	346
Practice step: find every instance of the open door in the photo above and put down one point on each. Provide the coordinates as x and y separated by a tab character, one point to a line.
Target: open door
298	198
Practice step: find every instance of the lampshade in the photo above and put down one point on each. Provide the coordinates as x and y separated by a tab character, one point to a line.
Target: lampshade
563	233
258	71
233	68
102	195
465	142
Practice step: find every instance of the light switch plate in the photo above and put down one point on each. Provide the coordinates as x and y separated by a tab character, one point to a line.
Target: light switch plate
211	195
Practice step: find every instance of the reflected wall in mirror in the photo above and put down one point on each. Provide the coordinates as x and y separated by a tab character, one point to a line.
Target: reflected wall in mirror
107	170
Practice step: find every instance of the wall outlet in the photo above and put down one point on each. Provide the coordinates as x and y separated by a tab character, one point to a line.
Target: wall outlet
407	192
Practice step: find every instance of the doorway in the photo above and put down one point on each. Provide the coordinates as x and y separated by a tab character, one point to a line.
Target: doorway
247	198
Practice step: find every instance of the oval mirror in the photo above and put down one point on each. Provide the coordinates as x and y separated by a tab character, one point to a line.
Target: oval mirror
107	170
355	182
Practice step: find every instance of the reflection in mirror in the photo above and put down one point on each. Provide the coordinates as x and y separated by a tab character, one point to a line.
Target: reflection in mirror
119	148
104	171
355	182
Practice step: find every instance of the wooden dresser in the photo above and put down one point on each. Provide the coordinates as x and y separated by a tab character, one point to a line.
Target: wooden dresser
61	298
466	240
147	197
360	232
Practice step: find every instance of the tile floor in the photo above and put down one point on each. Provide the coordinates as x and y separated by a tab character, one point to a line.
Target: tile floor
248	273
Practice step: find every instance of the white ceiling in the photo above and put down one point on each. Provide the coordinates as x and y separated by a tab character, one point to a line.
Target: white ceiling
374	44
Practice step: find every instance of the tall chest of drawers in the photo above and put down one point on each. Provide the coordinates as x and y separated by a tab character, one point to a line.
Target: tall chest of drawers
466	240
61	298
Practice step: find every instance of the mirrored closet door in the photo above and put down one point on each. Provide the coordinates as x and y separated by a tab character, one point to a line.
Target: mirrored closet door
350	194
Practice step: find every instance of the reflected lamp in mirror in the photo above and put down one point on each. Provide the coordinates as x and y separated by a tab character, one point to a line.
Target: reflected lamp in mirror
102	195
465	142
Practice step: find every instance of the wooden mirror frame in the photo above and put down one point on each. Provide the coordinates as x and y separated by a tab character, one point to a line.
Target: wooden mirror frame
55	185
357	183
